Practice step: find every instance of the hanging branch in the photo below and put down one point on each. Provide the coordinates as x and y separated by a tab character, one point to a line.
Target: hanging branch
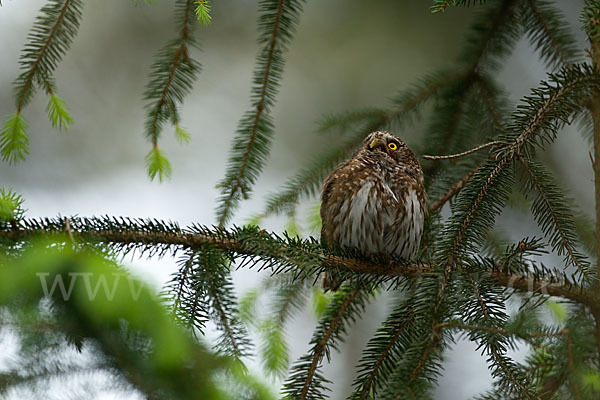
552	212
171	79
305	382
214	280
384	351
252	143
49	39
495	347
548	32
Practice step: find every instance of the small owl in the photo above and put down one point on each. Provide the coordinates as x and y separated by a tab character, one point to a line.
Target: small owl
375	201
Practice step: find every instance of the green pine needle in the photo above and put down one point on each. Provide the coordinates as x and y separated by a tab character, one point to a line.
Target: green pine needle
320	301
11	205
203	12
314	218
158	165
14	142
49	39
292	227
247	306
182	135
274	349
58	112
558	310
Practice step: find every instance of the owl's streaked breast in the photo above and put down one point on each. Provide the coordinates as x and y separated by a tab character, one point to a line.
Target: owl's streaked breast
374	220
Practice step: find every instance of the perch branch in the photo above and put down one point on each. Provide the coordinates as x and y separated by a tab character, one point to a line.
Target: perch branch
249	246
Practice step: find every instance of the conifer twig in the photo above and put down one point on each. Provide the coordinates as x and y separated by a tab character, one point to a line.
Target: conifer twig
464	153
236	184
319	351
452	191
34	67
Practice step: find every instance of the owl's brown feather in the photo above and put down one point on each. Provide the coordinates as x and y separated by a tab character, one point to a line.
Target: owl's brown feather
375	201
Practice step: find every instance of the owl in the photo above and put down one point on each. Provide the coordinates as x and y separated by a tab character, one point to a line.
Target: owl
375	201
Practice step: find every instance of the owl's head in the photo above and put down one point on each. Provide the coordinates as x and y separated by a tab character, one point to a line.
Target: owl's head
385	146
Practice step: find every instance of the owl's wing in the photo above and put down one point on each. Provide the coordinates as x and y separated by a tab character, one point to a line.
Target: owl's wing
328	204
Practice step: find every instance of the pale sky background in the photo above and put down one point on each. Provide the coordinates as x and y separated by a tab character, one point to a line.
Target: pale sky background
346	54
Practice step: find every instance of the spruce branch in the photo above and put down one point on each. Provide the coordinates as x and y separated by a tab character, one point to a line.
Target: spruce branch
49	39
495	347
219	289
492	36
553	214
57	108
305	382
548	33
385	350
14	141
171	79
489	93
184	291
157	238
253	139
535	123
487	191
203	11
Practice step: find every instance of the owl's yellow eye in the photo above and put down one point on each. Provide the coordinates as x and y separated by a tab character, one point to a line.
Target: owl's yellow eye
392	146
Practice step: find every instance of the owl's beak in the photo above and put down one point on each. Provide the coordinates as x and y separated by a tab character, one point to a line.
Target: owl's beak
376	143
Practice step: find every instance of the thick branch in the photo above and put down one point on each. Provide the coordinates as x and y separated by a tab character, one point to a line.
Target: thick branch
594	106
249	247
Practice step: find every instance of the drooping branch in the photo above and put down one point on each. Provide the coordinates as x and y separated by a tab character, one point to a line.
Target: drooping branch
256	128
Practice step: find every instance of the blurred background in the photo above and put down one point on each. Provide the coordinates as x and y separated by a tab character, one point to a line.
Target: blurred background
346	54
